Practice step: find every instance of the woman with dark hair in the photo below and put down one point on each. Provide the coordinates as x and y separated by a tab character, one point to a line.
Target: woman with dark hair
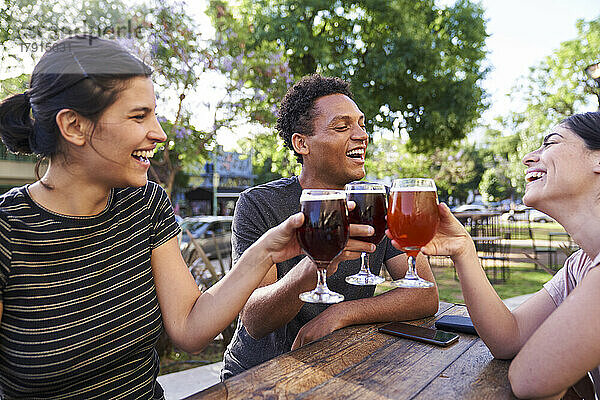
553	336
90	268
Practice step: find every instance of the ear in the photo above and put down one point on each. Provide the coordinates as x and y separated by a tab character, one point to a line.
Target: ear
300	144
73	127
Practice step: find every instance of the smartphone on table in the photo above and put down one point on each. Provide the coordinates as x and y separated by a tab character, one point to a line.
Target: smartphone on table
419	333
456	323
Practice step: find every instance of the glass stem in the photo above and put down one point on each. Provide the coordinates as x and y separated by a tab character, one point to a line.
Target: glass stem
412	269
364	266
321	278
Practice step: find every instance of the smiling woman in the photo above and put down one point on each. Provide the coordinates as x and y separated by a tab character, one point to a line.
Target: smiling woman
553	335
90	267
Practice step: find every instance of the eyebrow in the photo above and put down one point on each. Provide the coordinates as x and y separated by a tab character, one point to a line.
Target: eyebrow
144	109
344	118
548	136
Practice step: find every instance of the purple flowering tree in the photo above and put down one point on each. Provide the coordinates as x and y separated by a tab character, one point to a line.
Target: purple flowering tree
178	55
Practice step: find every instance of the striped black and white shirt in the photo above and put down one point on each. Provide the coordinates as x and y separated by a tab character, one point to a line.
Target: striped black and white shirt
81	316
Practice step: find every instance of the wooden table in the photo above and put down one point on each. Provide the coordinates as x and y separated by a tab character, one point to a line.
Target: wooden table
358	362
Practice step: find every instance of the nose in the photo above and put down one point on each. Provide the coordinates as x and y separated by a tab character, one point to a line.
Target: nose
156	132
531	157
358	133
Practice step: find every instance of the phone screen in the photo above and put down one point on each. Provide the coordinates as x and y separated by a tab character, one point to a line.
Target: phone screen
419	333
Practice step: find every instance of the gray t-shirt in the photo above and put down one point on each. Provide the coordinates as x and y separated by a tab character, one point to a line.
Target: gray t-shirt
257	210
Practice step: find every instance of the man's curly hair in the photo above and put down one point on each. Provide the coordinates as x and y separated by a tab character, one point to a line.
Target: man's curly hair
297	111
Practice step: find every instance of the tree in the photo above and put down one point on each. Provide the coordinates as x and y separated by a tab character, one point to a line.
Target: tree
179	57
270	159
164	36
412	66
553	90
28	27
499	181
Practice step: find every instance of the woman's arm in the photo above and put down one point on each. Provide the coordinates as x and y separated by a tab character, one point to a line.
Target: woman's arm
191	318
564	348
502	331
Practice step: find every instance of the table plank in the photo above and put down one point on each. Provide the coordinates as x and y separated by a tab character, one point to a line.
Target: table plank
399	370
359	362
475	375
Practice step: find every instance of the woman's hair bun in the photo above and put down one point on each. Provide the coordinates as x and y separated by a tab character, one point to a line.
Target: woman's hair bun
16	125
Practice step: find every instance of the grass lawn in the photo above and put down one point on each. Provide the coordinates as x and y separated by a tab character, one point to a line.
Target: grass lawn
523	279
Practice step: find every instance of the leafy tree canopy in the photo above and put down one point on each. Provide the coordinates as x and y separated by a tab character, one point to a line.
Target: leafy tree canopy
163	35
413	67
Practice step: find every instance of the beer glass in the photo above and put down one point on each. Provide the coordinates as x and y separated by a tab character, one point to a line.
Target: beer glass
412	220
371	208
323	236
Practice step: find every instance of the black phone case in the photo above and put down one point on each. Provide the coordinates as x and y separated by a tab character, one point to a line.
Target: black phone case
456	323
426	336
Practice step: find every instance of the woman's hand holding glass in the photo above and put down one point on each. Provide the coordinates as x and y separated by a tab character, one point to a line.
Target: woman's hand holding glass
281	241
324	237
451	238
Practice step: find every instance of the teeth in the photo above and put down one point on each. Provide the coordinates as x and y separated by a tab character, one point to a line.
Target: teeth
356	152
143	153
532	176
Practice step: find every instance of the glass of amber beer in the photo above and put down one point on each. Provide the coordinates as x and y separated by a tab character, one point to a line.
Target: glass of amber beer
323	236
412	220
371	209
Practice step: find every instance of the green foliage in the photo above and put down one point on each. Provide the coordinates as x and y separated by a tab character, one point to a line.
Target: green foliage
163	35
499	181
456	171
553	90
179	57
412	65
27	27
270	159
12	86
494	185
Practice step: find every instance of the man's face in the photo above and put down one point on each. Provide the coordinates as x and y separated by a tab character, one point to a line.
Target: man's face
336	150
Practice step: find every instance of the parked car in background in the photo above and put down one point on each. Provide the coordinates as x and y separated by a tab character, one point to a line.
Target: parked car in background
528	214
209	231
538	216
470	208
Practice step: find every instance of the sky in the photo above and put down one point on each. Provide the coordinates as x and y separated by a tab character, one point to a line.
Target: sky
522	33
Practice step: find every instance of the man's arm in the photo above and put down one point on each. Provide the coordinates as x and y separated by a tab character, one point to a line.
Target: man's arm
276	302
394	305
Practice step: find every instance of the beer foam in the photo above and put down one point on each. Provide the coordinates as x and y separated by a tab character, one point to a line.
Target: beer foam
323	196
412	189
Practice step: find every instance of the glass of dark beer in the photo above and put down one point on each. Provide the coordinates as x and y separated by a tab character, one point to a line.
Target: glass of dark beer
323	236
412	220
371	209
